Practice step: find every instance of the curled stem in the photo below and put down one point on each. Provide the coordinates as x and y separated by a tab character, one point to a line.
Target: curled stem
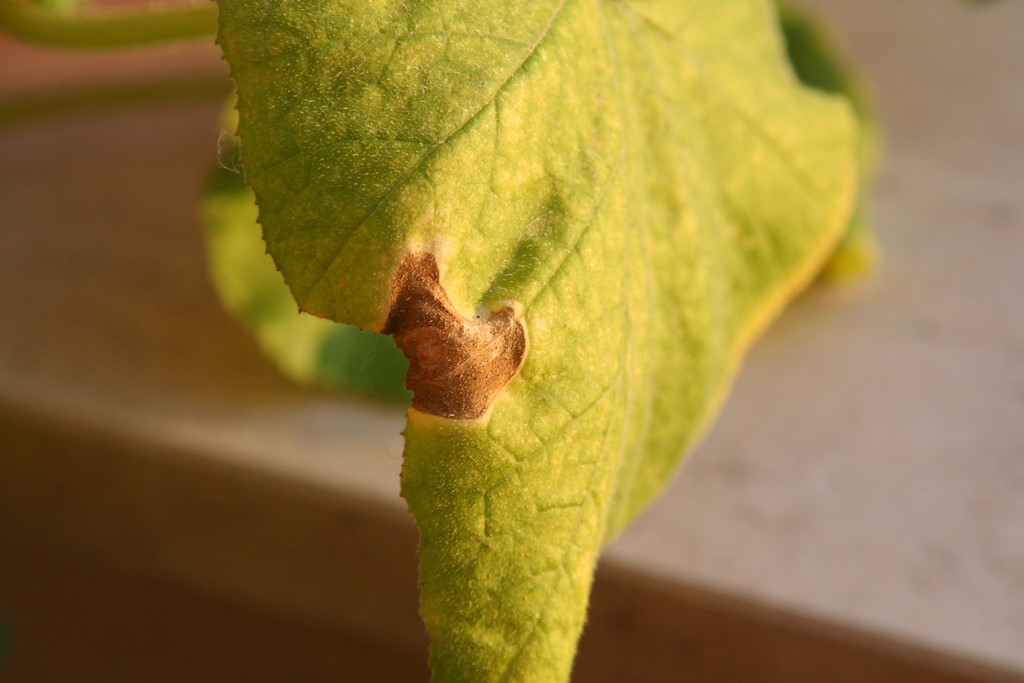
109	28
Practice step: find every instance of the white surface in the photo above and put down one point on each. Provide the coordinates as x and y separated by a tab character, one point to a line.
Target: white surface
869	465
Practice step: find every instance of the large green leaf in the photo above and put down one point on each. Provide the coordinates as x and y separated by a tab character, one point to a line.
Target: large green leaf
308	349
634	188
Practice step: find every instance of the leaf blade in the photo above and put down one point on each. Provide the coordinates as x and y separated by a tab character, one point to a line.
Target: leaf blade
615	174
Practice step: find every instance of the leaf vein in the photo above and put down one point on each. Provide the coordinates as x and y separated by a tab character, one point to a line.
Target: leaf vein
429	153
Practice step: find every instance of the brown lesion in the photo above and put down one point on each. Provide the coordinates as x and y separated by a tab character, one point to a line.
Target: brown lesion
457	365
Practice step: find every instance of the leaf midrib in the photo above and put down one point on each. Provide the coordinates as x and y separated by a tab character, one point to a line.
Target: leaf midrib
621	404
530	54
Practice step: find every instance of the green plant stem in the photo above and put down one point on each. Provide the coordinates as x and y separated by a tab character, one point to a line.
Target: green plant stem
109	28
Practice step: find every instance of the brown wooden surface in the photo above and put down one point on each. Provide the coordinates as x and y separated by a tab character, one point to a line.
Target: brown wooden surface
73	621
124	560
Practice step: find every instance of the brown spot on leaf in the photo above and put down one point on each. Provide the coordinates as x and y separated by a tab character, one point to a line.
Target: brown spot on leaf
457	365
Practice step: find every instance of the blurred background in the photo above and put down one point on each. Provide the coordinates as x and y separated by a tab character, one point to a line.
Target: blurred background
173	509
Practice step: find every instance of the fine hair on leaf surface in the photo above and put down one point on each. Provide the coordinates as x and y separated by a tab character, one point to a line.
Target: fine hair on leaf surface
639	186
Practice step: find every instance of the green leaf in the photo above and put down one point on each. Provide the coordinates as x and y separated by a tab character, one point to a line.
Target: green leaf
628	190
817	64
308	349
61	5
